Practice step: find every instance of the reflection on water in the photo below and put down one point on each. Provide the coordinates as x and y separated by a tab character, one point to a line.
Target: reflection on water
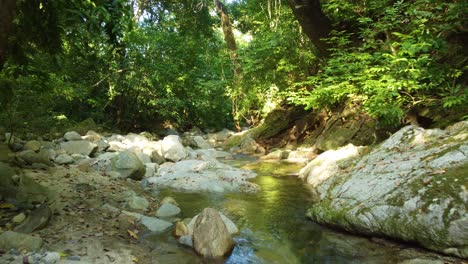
273	225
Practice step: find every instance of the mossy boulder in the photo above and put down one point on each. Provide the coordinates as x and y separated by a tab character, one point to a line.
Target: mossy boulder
412	187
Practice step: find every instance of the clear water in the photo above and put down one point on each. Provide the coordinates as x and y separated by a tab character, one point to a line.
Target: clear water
272	223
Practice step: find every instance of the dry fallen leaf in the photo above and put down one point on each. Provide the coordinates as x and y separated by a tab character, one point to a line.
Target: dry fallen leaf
438	172
135	259
132	234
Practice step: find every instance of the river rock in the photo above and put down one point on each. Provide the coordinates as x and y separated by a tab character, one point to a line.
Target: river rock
201	142
222	135
276	155
83	147
387	192
72	136
18	219
210	154
138	203
103	145
232	228
155	224
181	229
329	163
151	169
248	145
169	200
167	210
157	158
36	220
33	145
172	149
128	165
199	175
210	235
31	157
134	140
92	136
64	159
13	240
143	157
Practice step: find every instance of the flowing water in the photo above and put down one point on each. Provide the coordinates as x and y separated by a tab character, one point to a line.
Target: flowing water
272	223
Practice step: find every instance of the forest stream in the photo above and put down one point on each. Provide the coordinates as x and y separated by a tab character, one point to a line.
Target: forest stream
273	226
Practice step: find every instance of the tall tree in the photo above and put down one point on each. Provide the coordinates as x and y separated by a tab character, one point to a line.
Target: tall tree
314	22
232	50
7	14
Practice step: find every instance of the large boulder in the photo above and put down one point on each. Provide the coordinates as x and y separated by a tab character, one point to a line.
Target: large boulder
172	149
127	165
199	175
412	187
210	235
83	147
330	163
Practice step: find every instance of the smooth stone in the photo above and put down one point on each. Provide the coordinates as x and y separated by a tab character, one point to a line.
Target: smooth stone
18	241
85	148
138	203
169	200
33	145
210	235
127	164
167	210
72	136
172	149
181	229
155	224
64	159
51	257
186	240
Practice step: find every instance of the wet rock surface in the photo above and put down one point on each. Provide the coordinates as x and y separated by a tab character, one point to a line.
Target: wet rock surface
412	187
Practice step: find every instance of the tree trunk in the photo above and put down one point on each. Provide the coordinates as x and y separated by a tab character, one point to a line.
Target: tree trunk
7	14
313	21
232	50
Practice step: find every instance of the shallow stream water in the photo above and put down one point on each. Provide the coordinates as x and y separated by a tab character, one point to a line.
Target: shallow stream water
273	226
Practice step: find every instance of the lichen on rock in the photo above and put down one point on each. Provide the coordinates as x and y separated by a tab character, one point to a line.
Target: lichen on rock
412	187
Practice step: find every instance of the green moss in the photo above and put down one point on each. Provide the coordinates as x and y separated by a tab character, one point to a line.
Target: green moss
236	140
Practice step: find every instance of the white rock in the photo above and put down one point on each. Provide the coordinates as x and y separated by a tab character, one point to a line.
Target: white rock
201	142
72	136
167	210
328	163
172	149
155	224
199	175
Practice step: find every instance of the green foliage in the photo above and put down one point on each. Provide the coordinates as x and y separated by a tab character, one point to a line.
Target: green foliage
277	56
404	59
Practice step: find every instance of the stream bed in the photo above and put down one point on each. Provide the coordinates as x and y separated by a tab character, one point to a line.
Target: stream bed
273	226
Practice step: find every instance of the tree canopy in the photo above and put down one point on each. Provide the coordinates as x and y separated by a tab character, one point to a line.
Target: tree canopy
147	64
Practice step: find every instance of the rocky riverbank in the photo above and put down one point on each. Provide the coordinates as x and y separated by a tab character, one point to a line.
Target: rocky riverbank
93	198
412	187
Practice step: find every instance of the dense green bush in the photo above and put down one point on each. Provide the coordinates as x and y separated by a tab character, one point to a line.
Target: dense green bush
403	56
